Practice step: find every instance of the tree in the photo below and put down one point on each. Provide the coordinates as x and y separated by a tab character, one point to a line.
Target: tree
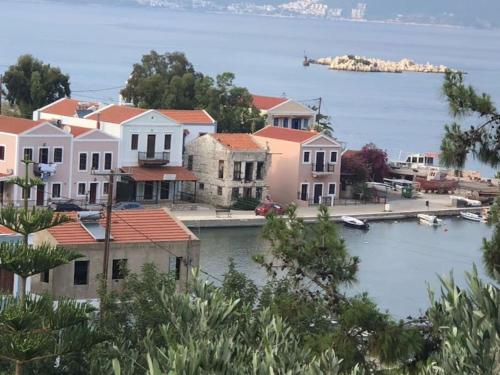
375	160
31	84
32	329
170	81
481	140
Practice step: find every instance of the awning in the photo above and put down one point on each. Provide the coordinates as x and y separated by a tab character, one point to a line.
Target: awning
141	174
5	176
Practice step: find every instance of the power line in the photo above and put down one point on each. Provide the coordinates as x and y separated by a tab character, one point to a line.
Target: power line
97	90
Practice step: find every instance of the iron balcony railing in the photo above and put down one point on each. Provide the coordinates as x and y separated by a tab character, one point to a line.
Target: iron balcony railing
153	158
323	168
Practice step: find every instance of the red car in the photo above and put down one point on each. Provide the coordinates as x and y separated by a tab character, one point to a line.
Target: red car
264	209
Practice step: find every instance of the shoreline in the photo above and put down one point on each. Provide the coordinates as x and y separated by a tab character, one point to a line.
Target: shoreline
250	220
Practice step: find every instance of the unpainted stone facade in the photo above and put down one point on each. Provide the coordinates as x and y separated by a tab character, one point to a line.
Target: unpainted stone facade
225	174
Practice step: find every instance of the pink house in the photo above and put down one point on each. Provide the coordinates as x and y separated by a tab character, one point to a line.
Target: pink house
54	150
305	166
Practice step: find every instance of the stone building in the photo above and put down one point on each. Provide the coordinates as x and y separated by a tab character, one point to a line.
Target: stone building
137	237
228	166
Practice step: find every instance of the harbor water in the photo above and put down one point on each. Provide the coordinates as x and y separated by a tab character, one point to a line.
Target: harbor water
399	260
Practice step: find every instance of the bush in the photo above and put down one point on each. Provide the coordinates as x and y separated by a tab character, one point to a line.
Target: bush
247	204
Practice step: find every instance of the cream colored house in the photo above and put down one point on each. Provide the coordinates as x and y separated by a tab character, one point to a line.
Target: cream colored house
138	237
228	166
305	167
284	113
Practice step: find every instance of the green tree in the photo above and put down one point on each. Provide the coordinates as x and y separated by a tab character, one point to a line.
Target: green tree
31	84
481	140
35	328
170	81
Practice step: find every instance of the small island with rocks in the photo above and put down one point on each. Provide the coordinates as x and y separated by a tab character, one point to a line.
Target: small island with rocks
354	63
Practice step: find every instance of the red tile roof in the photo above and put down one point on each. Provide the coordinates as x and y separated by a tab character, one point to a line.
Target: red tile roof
6	231
266	102
134	226
78	130
350	154
237	141
67	107
286	134
16	125
119	113
158	173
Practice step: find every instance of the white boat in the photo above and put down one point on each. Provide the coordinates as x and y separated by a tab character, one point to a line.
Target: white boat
429	219
471	216
352	222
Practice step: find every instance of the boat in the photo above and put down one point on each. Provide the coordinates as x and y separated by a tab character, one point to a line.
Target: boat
429	219
471	216
352	222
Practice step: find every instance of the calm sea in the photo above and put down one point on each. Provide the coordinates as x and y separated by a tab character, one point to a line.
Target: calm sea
97	46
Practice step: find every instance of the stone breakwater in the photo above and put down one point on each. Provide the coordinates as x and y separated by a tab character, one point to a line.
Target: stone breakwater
364	64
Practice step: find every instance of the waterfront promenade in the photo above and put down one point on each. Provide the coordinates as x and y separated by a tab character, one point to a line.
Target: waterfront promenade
440	205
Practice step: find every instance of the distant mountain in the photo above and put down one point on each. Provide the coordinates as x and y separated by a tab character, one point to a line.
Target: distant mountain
479	13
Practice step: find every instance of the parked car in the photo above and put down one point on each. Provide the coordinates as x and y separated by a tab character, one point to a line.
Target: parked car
128	206
264	209
66	207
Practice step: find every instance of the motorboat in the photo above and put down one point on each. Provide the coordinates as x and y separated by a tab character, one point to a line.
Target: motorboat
471	216
429	220
352	222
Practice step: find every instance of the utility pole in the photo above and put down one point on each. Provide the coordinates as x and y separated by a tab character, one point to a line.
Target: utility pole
109	207
0	94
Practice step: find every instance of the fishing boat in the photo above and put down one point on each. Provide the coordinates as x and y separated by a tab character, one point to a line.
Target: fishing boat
352	222
471	216
429	219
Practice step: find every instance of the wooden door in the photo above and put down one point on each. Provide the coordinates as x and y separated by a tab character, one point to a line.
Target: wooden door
40	192
320	161
93	192
318	192
150	151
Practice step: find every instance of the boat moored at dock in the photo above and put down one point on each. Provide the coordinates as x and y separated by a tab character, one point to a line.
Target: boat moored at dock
472	216
429	220
352	222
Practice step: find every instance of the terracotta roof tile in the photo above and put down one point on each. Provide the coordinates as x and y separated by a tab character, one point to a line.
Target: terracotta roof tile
134	226
237	141
6	231
78	130
68	107
16	125
158	173
266	102
119	113
286	134
350	154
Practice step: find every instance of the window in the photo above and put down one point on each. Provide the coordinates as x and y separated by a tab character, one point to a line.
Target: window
296	123
29	194
134	142
332	189
81	188
56	190
276	121
164	189
2	152
95	161
285	122
44	277
305	123
105	188
248	171
82	164
43	155
119	268
201	185
260	169
333	157
219	190
168	142
258	193
81	275
58	155
247	192
178	262
108	158
28	154
221	168
306	158
190	163
237	171
235	193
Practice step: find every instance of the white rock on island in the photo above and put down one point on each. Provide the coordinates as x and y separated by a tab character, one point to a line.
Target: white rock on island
364	64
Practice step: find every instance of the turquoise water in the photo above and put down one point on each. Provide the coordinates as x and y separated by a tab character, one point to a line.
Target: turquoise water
398	260
97	46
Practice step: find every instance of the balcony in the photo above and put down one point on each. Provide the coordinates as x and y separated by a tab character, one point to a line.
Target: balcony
153	159
323	169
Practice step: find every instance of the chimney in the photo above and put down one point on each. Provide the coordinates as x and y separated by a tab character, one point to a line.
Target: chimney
98	120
